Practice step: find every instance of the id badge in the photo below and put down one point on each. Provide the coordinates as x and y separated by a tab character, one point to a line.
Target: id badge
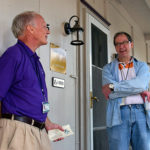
46	107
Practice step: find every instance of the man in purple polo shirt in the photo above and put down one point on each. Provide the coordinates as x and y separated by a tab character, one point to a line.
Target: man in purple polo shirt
23	92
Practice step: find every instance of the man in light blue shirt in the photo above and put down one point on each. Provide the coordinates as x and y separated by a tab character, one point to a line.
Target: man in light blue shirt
124	79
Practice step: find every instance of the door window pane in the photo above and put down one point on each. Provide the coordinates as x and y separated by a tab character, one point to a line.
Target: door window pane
99	47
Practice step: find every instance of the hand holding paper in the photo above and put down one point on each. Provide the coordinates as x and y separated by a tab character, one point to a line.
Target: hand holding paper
56	134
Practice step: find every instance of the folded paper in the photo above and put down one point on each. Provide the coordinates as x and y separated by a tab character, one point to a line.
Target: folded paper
56	133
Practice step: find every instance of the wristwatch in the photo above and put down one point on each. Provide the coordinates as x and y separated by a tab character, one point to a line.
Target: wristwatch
111	86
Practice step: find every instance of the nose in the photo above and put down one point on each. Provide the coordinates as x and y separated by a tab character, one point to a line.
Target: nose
121	45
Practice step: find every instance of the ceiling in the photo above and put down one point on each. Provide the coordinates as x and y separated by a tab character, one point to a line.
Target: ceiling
140	12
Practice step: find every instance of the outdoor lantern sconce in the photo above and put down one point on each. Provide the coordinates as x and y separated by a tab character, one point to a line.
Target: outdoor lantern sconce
76	28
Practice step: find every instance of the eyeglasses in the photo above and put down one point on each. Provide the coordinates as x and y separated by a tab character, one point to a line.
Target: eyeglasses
122	43
48	26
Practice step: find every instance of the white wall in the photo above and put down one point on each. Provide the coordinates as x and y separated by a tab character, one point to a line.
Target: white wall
121	21
55	12
62	101
8	9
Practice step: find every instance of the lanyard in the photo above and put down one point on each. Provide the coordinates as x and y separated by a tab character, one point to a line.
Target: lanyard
35	66
38	73
122	66
122	73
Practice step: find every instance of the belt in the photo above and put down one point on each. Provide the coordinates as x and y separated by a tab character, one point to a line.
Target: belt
25	119
133	105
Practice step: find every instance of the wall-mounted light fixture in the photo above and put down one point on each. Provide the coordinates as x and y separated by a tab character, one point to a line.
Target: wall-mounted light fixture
76	28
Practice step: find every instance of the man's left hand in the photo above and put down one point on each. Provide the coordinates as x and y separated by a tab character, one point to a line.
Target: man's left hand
146	94
50	126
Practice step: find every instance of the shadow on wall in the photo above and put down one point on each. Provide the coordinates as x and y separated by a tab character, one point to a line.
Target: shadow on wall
7	39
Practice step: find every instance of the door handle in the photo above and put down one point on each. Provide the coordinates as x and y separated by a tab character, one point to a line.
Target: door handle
93	98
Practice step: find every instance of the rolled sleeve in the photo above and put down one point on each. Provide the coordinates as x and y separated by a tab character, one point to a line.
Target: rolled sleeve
137	84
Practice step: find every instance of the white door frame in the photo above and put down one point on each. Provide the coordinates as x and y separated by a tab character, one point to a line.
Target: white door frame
91	20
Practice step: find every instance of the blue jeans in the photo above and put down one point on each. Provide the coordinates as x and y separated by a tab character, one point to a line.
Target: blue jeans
133	130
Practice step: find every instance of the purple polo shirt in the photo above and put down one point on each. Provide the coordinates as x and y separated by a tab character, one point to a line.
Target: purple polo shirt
21	81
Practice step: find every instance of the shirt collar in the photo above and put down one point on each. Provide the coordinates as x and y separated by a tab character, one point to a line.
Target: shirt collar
122	65
28	50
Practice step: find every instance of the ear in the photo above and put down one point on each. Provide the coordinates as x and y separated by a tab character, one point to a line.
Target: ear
30	28
132	45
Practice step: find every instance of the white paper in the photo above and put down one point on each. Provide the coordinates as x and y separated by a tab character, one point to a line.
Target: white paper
147	104
56	133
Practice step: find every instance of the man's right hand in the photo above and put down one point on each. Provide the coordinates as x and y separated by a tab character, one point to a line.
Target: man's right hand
106	91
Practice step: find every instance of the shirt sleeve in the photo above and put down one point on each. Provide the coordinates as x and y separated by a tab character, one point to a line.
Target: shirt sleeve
8	67
107	76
